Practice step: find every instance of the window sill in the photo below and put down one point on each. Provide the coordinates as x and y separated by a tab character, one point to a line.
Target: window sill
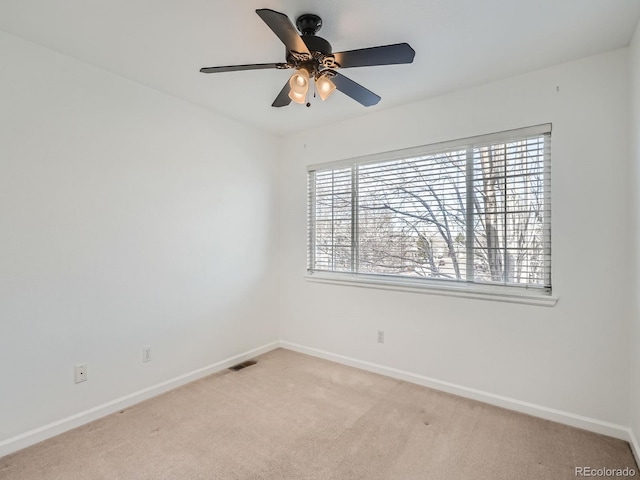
477	292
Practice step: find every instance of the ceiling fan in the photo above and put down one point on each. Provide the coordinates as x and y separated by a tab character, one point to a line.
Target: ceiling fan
312	58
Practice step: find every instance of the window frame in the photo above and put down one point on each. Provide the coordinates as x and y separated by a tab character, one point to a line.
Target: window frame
498	292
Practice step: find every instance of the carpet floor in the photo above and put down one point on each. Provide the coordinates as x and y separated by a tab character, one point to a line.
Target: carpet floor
295	417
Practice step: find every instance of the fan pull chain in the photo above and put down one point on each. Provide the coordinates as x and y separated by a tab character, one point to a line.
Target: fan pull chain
314	93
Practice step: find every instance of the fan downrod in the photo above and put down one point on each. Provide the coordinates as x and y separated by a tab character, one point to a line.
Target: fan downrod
308	24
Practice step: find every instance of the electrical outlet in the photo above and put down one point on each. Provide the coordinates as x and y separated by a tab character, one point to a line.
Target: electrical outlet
380	336
81	373
146	354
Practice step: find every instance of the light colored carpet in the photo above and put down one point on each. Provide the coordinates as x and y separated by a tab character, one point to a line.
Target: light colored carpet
296	417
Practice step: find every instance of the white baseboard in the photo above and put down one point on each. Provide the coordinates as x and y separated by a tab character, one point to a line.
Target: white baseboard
566	418
39	434
635	447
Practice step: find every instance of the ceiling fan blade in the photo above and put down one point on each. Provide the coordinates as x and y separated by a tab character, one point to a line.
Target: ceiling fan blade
235	68
383	55
284	29
282	100
355	90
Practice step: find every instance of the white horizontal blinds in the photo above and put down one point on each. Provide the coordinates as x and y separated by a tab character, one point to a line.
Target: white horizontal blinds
472	211
512	212
411	216
332	220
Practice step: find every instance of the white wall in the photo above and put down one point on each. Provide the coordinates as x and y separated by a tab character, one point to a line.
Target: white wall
634	62
128	218
573	357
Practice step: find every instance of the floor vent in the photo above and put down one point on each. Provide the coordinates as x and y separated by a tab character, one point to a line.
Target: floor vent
242	365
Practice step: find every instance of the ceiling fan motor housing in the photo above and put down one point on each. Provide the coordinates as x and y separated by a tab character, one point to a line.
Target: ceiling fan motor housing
309	24
319	59
317	44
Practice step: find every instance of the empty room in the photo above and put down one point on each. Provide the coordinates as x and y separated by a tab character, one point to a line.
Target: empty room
319	240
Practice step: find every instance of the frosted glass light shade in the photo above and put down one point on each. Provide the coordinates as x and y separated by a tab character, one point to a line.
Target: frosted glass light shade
325	87
299	85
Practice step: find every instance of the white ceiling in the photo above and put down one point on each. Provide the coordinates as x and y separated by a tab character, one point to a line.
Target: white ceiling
458	43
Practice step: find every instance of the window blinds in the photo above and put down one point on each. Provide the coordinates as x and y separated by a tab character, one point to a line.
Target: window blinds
474	211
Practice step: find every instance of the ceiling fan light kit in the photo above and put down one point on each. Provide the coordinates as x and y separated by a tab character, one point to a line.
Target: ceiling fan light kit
312	58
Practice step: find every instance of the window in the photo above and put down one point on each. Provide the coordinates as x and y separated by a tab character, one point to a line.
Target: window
470	213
